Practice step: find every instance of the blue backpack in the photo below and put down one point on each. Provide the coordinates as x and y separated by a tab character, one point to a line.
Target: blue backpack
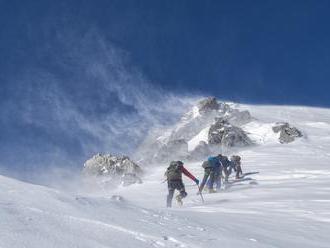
213	162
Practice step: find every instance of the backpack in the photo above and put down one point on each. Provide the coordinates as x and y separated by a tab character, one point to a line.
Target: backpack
206	164
213	162
174	171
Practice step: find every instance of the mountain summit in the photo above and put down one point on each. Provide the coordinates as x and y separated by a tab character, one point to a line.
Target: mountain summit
209	127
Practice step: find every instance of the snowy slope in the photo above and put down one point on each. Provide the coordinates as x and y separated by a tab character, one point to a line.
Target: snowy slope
286	204
201	136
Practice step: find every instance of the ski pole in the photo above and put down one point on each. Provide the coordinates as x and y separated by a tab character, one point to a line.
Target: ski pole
200	193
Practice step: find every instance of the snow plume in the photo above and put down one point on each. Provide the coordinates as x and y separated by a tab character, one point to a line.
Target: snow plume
85	98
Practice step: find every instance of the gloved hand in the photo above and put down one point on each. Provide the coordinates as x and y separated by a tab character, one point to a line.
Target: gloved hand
197	181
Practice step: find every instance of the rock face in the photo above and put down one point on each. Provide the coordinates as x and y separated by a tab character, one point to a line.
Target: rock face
203	115
225	134
208	104
115	167
172	144
287	133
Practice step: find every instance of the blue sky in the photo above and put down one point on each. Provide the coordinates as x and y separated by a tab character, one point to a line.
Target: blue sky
69	68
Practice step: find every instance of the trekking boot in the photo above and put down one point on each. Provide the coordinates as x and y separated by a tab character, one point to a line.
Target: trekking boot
212	191
179	200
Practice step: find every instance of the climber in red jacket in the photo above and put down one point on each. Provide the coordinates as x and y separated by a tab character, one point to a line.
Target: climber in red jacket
174	181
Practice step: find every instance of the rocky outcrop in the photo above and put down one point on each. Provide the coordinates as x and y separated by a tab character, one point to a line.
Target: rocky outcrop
225	134
287	133
112	166
208	104
203	114
172	143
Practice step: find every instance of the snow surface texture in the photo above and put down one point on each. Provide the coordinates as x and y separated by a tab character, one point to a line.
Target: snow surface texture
286	204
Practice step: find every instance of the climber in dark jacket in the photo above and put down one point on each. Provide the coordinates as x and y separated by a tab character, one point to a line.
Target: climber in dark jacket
236	164
174	181
212	171
227	167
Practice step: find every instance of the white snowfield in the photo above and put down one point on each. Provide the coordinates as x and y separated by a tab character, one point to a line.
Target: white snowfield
285	204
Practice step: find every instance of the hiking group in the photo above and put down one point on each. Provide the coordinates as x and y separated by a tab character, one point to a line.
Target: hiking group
216	168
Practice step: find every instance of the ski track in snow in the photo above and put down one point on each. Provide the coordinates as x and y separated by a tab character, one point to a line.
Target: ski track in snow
286	204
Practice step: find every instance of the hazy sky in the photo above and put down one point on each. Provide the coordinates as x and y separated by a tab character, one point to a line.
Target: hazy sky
77	76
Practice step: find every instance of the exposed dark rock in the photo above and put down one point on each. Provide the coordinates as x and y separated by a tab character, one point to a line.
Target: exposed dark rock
172	143
287	133
209	109
109	165
225	134
208	104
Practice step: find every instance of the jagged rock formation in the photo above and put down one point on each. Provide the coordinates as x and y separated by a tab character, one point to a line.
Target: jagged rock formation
224	134
203	115
108	165
208	104
287	133
174	142
209	127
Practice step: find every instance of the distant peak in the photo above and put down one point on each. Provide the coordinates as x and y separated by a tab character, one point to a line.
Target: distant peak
208	104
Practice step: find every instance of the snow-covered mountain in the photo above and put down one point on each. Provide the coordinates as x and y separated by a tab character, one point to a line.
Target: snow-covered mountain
284	202
213	127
